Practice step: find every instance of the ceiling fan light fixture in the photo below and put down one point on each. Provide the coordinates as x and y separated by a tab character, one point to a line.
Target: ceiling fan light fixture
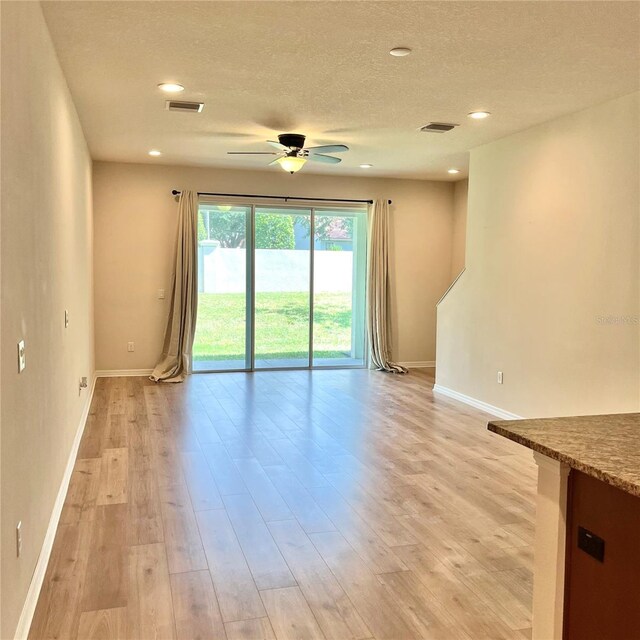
366	165
292	163
453	170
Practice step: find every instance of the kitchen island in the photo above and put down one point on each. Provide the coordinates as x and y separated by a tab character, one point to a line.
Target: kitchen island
587	543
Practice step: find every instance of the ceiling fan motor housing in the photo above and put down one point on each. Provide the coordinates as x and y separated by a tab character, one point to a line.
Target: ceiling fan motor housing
292	140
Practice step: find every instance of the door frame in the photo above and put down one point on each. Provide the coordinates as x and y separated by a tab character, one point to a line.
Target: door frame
250	293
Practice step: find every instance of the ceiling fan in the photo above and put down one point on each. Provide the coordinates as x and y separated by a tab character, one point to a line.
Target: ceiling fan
291	152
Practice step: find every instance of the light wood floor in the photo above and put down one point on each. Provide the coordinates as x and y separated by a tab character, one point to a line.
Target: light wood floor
336	504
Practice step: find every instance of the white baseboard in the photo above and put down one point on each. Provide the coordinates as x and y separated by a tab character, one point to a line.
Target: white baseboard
478	404
117	373
419	364
29	607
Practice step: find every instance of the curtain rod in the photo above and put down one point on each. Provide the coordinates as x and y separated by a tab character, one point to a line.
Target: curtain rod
176	192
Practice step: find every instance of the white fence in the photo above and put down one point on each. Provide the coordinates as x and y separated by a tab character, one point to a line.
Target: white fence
224	270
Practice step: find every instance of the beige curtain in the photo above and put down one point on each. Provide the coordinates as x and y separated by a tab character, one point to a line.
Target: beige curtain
181	324
378	314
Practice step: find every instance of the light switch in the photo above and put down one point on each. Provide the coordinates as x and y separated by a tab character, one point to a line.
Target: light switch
160	294
591	543
22	361
66	318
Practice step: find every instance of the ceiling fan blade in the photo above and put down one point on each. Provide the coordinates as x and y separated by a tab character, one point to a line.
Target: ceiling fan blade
275	161
277	145
318	157
328	148
252	153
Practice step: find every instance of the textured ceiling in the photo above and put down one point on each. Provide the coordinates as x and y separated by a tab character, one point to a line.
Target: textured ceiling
323	69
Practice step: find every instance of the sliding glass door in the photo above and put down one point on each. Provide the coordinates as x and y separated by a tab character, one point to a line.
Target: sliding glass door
280	287
339	287
223	326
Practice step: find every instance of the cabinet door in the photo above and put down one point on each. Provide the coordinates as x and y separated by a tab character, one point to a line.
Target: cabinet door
602	597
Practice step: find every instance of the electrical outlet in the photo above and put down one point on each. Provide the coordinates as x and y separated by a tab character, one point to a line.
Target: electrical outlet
66	318
19	539
499	377
83	384
22	358
130	346
160	294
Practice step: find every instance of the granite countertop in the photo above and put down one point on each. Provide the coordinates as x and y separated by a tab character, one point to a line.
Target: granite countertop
606	447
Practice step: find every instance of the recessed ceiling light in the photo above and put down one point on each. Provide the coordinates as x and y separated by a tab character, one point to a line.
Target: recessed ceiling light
170	87
155	152
400	52
366	166
479	115
453	171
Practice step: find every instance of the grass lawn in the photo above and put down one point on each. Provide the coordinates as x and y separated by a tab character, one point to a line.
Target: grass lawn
282	326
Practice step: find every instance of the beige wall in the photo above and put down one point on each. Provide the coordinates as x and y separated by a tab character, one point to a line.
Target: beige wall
46	267
459	234
135	222
552	246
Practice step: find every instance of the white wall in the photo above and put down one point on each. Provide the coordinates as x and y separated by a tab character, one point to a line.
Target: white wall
553	236
459	234
135	222
46	268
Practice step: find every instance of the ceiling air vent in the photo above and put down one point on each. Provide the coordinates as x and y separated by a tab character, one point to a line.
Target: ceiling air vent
438	127
187	107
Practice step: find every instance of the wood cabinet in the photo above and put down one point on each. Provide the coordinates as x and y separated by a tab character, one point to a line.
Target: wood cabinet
602	596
